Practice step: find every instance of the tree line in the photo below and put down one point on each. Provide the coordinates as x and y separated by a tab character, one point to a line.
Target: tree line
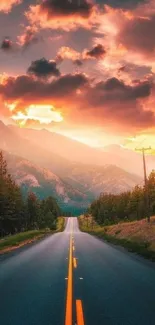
127	206
21	214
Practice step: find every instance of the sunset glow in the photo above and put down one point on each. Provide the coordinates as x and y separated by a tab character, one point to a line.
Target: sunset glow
84	70
44	114
77	157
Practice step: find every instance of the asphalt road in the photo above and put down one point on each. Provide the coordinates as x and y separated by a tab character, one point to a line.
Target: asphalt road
73	278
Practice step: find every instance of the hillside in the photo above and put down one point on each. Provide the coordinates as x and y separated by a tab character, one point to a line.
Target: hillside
74	151
95	179
44	183
13	143
136	236
35	166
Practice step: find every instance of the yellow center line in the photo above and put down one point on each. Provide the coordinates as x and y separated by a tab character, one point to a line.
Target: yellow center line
73	248
79	312
75	262
68	318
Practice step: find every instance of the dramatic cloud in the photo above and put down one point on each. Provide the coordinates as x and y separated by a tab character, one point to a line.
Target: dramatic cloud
62	14
110	103
117	104
112	40
124	35
29	89
44	68
6	5
97	52
66	8
115	89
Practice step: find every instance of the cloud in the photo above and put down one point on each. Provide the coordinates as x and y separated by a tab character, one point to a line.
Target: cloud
97	52
137	35
70	54
66	8
6	44
110	103
28	89
28	37
62	14
66	52
43	68
113	89
37	114
135	71
124	35
123	4
78	62
6	5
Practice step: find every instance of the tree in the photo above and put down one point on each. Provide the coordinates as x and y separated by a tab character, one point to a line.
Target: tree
33	211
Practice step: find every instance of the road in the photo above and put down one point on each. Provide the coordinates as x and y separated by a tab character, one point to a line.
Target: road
74	278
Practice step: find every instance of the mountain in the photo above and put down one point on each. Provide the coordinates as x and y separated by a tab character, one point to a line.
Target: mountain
35	165
58	144
131	160
11	141
79	186
74	151
95	179
45	183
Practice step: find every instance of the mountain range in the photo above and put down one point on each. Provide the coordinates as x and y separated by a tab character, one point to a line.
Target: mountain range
72	150
75	174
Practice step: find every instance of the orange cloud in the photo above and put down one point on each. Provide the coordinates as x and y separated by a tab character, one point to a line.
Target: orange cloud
125	36
111	104
65	15
96	52
66	52
28	36
6	5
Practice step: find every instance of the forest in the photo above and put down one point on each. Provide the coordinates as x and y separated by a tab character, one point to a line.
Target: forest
19	214
128	206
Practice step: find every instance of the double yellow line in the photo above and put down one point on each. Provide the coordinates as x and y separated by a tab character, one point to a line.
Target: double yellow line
69	300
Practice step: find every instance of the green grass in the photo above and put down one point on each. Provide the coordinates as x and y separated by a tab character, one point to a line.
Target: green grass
60	224
139	247
24	237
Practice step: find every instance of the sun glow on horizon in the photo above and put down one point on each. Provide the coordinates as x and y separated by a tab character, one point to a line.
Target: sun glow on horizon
139	142
44	114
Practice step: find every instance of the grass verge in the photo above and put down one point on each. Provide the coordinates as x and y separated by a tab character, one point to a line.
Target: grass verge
125	235
18	240
61	224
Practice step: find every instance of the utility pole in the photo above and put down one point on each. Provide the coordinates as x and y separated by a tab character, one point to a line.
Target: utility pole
145	182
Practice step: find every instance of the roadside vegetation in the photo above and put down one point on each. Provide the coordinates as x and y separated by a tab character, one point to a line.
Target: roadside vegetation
128	206
136	236
24	219
121	218
14	241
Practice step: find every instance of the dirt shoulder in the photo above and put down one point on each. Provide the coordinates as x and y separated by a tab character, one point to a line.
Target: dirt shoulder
137	236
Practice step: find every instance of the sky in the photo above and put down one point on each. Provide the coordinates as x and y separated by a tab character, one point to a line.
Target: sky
81	68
